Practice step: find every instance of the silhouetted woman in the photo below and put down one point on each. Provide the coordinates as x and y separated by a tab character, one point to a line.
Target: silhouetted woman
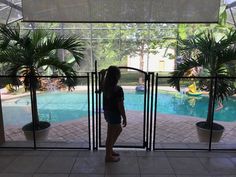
113	105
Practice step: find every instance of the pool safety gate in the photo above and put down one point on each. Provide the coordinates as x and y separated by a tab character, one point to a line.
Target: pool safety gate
150	114
98	124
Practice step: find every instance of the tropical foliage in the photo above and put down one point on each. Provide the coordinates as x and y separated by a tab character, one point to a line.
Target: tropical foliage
211	54
29	54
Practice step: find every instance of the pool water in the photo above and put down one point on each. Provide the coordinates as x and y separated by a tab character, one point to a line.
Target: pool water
182	104
60	107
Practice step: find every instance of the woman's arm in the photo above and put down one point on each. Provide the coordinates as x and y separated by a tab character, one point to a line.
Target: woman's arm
122	112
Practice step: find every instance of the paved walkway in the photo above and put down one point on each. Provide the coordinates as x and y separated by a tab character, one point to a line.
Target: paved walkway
171	131
132	164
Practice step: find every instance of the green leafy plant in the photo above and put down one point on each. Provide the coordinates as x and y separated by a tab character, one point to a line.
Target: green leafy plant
212	55
29	53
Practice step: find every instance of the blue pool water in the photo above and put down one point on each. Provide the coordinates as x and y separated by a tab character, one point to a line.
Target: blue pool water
182	104
59	107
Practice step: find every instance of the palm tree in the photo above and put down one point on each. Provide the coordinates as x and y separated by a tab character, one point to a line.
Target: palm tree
213	56
27	54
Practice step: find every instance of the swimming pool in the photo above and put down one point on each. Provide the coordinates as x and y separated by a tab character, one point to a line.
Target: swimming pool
182	104
61	106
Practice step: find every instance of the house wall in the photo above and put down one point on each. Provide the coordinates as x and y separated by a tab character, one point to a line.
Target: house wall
154	62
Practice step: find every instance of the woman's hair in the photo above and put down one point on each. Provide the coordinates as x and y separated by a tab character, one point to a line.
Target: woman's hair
111	79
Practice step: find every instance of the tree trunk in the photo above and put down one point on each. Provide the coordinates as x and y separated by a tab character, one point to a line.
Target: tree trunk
34	107
210	104
141	64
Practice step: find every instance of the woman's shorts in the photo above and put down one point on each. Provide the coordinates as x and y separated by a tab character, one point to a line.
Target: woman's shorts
112	118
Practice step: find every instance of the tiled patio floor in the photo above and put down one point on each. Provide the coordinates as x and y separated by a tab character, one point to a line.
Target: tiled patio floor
132	164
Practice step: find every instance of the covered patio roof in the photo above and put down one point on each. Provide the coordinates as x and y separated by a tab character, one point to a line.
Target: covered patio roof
127	11
124	11
10	11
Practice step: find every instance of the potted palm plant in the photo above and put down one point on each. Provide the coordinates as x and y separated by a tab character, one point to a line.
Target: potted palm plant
212	55
26	54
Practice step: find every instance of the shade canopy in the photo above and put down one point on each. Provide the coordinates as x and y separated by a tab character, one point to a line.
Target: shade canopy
167	11
10	11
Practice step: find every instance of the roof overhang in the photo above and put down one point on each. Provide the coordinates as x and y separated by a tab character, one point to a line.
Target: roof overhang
114	11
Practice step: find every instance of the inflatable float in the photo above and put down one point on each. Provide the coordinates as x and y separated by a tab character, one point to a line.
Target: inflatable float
140	88
192	90
194	94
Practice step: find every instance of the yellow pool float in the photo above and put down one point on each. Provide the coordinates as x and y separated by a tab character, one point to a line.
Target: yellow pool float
192	90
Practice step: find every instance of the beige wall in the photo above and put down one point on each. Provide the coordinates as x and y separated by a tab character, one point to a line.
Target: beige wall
154	62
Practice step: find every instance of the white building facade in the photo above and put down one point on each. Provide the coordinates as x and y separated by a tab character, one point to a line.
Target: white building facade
161	61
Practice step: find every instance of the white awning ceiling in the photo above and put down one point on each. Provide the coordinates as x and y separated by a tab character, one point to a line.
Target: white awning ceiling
167	11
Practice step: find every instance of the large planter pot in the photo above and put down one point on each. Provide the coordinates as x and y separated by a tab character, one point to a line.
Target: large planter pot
204	132
41	132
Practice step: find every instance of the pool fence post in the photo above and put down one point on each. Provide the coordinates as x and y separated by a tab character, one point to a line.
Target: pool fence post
89	118
155	112
147	111
2	133
99	109
151	112
96	105
93	112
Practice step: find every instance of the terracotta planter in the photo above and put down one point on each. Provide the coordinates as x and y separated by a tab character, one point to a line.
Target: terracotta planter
204	134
